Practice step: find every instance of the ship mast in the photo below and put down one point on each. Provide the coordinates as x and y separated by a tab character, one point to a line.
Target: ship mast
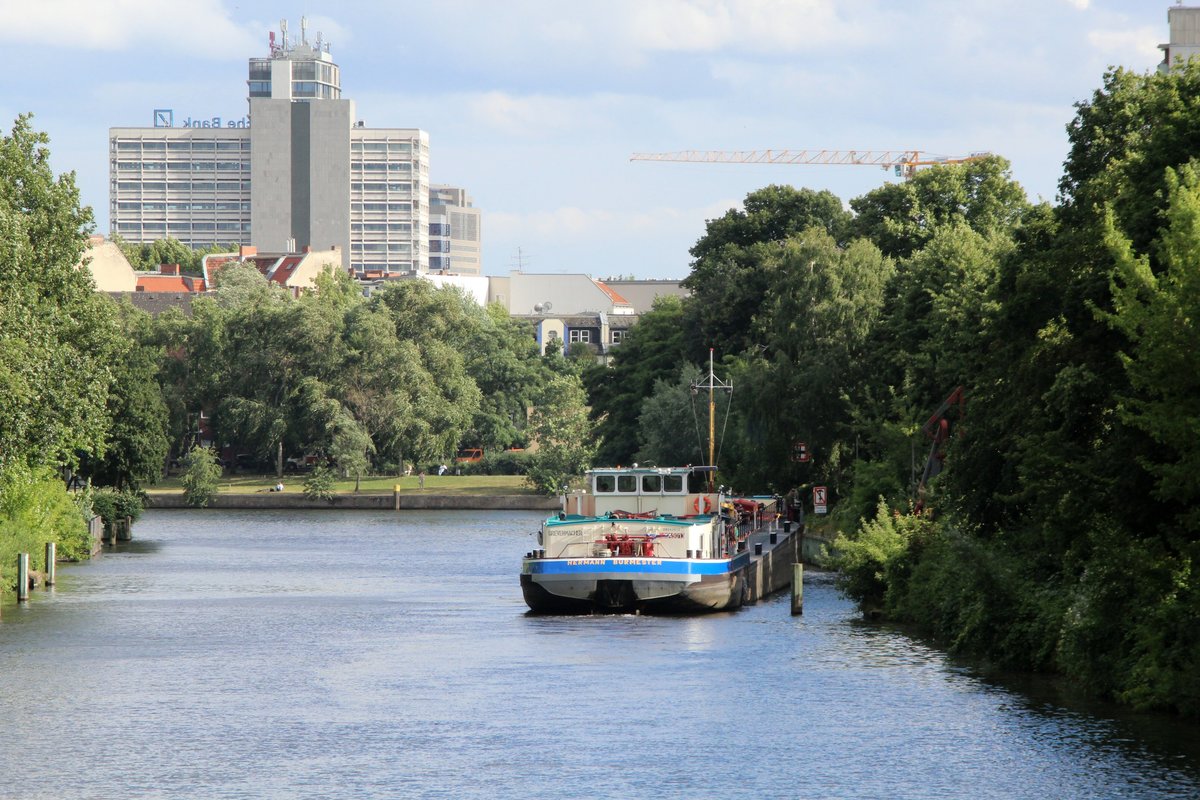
713	384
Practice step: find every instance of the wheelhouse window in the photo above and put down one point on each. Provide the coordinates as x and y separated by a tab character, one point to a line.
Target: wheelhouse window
627	484
651	484
605	483
673	484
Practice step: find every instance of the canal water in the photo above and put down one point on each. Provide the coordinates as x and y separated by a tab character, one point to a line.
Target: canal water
363	654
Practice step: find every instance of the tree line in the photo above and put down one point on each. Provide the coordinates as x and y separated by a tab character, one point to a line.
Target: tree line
1061	534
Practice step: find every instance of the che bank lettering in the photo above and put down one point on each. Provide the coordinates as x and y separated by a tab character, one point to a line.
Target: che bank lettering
215	122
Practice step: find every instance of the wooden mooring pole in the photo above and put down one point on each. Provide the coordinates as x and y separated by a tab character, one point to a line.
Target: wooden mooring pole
797	589
22	577
51	558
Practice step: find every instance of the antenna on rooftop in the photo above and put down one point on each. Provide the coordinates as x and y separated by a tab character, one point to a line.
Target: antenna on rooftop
304	30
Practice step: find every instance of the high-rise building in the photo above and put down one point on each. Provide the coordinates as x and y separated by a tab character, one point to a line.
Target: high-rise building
300	170
454	232
1184	22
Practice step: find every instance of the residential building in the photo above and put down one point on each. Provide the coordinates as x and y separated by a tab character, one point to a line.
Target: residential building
294	271
307	173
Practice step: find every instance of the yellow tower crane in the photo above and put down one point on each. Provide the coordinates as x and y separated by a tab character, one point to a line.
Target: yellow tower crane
903	162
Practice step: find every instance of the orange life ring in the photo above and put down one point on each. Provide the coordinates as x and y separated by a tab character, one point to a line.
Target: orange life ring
707	505
696	504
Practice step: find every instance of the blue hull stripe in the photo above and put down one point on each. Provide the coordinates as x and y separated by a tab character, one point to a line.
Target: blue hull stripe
634	564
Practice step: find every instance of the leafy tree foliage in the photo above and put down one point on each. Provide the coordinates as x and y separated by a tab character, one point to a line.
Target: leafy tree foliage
729	280
900	218
653	350
138	440
566	446
57	337
201	476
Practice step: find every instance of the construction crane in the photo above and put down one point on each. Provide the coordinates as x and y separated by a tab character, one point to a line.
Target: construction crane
903	162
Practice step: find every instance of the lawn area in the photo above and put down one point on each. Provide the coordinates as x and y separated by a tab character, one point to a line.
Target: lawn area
434	484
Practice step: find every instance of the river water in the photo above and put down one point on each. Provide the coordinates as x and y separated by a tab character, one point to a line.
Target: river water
364	654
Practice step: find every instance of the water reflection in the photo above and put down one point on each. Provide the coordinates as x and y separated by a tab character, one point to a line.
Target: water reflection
380	655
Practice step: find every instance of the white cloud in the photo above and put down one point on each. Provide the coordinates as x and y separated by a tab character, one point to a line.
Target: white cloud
1082	5
1139	45
198	28
758	25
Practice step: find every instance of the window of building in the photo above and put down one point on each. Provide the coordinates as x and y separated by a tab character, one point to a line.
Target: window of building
179	144
304	89
154	145
204	145
578	335
618	336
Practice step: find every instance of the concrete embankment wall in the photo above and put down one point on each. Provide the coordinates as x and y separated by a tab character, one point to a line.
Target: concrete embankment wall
280	500
772	571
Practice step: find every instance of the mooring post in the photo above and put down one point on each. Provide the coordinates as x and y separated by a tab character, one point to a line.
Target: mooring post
22	577
51	557
797	589
396	496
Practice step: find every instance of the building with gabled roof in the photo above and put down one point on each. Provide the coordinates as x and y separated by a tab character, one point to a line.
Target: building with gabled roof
295	272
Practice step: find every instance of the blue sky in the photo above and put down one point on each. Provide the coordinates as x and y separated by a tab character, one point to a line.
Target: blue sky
536	105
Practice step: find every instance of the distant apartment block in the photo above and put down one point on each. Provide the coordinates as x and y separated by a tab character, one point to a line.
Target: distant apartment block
306	173
454	232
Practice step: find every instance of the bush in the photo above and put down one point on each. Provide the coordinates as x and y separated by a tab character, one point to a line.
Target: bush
35	508
319	484
873	562
111	505
201	476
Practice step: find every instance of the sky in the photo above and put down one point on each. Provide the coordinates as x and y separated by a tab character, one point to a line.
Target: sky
535	106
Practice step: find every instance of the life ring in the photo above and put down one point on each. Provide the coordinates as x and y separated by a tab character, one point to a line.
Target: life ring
707	505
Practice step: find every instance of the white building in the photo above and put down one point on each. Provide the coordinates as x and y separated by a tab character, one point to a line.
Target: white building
307	173
454	232
1184	22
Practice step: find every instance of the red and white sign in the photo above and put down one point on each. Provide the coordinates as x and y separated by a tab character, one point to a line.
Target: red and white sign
820	496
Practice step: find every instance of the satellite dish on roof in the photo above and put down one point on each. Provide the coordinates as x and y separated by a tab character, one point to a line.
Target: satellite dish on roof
546	306
537	308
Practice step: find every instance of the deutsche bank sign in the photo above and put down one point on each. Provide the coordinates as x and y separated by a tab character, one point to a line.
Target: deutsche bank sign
165	118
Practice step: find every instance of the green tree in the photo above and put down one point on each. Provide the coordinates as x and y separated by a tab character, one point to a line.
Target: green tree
201	476
57	337
729	279
138	440
900	218
653	350
1158	314
563	433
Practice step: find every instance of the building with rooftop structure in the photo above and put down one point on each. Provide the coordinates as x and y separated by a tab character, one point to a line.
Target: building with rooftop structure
306	173
1184	23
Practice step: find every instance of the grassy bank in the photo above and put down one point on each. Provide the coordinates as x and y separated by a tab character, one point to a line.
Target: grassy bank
434	484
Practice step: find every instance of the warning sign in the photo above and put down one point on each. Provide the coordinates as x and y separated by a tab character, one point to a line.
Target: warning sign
820	498
799	452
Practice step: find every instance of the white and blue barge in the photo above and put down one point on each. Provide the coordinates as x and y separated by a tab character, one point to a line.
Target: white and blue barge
644	540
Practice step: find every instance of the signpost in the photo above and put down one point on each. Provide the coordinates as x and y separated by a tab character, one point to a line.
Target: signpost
800	452
820	496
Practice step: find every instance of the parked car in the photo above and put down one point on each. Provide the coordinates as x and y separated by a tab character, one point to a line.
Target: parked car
469	455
